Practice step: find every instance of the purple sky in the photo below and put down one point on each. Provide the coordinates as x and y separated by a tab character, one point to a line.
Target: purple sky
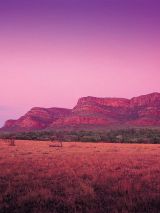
54	51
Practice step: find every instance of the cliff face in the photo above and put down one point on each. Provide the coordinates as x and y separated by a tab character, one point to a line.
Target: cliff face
147	109
139	111
37	118
91	111
150	100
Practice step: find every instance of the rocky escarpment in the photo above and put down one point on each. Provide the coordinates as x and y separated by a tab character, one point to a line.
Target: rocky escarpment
37	118
138	111
92	112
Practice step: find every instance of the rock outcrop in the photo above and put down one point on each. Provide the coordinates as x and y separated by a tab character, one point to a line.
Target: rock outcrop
92	112
36	119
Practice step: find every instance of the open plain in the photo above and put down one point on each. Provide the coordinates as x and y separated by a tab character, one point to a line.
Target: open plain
79	177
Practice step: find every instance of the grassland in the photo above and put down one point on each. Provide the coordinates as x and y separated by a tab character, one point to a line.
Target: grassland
79	177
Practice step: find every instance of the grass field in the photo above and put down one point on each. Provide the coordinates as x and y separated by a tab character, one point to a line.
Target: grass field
79	177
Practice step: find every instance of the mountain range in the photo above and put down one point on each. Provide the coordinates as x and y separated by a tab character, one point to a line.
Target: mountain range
92	113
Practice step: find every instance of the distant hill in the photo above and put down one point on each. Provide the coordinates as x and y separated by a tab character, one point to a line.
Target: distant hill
36	119
92	113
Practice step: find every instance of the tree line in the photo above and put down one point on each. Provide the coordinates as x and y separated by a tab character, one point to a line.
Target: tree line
130	135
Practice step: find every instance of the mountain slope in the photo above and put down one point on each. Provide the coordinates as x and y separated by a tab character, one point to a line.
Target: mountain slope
37	118
92	112
138	111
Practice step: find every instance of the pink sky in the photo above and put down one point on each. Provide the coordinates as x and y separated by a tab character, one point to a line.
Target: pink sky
53	63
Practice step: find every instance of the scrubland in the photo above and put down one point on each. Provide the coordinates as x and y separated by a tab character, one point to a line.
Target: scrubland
79	177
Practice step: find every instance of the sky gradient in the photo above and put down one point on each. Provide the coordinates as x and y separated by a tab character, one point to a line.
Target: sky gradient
54	51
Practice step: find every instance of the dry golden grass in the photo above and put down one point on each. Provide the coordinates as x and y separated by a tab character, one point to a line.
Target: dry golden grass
79	177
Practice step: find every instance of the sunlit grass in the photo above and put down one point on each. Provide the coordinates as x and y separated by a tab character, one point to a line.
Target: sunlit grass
79	177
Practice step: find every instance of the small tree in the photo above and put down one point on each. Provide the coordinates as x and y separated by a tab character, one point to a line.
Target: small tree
12	142
60	138
57	140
